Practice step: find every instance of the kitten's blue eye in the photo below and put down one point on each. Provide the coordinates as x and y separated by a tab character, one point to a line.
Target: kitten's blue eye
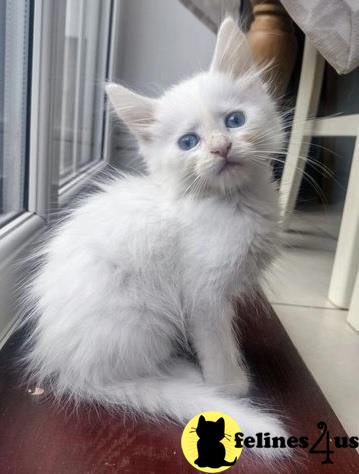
235	119
188	141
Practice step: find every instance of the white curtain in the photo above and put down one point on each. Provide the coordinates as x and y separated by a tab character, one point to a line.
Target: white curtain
331	25
333	28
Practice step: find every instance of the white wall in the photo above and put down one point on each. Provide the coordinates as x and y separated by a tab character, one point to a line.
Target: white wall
159	43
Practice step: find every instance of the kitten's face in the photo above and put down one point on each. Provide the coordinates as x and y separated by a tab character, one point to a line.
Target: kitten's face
215	131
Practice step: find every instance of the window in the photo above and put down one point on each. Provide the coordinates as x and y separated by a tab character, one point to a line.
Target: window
14	94
54	58
84	52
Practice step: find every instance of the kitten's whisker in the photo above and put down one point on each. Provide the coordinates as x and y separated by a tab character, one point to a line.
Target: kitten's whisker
320	166
192	184
312	162
307	177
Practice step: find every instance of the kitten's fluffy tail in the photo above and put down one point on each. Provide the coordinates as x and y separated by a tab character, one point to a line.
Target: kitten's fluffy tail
181	397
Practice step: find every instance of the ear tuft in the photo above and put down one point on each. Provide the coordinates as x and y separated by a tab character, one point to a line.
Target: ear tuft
134	109
232	54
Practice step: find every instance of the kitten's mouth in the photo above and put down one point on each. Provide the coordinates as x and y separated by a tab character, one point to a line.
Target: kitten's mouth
228	165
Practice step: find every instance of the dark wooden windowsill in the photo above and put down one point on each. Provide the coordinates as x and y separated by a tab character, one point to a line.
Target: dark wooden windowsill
36	437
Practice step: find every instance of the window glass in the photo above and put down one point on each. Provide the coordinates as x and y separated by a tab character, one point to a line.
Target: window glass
83	76
14	85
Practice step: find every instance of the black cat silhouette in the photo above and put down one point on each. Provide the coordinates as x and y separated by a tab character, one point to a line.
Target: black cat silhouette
211	452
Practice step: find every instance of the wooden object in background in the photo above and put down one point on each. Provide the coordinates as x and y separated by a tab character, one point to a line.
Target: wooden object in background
272	39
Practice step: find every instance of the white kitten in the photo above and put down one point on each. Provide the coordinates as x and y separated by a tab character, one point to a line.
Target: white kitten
153	263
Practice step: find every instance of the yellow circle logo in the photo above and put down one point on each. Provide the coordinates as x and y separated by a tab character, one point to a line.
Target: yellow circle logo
208	441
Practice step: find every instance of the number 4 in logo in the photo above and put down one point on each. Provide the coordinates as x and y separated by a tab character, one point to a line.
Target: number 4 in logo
324	434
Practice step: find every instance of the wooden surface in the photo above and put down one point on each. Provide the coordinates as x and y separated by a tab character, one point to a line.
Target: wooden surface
36	437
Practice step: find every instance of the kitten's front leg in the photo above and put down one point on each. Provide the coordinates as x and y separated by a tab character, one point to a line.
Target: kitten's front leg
218	350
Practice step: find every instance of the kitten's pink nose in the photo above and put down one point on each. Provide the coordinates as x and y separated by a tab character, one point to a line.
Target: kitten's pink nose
220	145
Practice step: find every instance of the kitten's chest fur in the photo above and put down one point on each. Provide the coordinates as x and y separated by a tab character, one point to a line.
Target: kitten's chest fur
225	244
189	244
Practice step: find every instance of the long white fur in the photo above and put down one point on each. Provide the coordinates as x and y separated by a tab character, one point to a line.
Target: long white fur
150	264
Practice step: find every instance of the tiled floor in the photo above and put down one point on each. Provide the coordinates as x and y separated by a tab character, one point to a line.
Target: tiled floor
297	287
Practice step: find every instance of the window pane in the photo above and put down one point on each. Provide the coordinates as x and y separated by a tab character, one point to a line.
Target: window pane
14	57
83	76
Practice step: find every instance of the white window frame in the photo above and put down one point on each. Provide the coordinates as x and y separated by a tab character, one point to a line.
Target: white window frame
44	192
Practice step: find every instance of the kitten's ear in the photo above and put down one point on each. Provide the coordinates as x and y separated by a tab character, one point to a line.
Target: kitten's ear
201	420
220	423
232	54
134	109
